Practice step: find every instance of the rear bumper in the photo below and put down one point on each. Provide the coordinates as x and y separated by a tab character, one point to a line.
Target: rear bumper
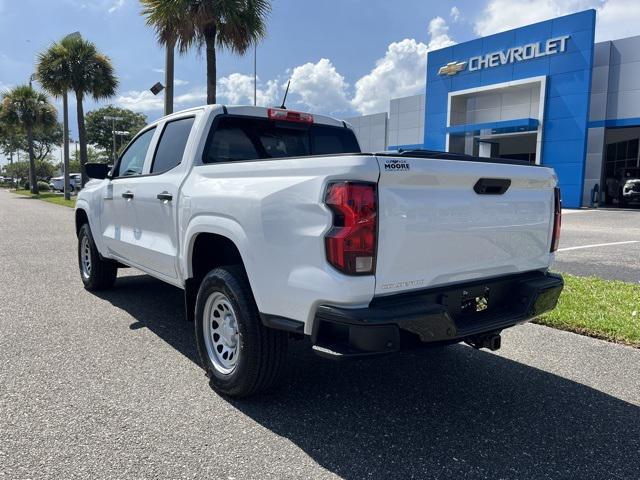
441	315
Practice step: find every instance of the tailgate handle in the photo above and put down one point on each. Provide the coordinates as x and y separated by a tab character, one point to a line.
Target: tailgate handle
492	186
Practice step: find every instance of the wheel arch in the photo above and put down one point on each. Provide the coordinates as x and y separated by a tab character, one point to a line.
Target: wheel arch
211	243
81	217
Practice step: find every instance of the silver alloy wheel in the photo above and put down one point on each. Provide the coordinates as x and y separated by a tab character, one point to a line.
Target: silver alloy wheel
85	256
220	329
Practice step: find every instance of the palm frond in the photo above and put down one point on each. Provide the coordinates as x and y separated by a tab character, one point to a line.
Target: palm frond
24	108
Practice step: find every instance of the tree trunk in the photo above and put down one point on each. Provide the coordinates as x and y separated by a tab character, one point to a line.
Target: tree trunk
82	138
168	78
210	40
33	182
65	144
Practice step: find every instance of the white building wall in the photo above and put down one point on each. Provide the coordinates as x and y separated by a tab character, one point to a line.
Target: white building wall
615	94
403	126
406	120
507	103
597	111
371	131
623	98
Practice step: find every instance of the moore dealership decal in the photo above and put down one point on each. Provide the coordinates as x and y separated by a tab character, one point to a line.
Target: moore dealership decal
504	57
396	164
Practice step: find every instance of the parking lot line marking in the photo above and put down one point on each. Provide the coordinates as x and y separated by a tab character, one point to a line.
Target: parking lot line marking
598	245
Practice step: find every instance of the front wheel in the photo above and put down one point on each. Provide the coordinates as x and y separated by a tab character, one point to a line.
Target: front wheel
240	355
96	272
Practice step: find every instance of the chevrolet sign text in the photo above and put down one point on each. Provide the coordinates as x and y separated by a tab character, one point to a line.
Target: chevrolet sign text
512	55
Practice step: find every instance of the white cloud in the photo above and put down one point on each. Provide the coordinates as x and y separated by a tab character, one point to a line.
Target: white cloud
140	101
117	5
180	83
616	18
439	34
197	96
233	89
320	86
145	101
454	13
401	72
237	89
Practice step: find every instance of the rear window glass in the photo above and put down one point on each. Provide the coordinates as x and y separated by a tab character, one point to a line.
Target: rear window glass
243	138
172	144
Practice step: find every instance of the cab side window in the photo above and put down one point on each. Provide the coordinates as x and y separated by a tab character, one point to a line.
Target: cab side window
132	160
172	144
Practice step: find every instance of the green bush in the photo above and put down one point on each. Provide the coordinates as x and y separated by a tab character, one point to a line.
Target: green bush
42	186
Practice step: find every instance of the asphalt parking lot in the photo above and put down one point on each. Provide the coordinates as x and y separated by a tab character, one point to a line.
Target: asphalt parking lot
108	387
604	243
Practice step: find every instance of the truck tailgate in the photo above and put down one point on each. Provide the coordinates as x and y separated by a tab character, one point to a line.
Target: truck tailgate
435	229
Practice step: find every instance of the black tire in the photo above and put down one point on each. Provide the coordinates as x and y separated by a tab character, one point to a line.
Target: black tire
261	351
102	273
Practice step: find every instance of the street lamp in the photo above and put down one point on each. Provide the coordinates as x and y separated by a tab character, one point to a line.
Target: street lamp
122	133
113	119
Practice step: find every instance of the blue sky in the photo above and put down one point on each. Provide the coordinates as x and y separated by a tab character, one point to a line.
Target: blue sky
346	57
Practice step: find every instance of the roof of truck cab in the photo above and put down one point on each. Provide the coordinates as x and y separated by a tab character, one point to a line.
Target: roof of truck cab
251	111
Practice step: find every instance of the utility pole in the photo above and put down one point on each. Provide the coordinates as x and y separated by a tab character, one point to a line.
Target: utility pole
122	134
113	119
255	74
65	145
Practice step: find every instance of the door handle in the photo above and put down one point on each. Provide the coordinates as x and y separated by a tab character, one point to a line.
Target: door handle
164	196
492	186
128	195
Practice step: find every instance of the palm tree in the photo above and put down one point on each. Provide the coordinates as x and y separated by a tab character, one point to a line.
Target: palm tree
89	73
231	24
27	110
54	73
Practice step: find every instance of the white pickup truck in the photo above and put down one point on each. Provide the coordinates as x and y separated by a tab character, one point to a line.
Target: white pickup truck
277	226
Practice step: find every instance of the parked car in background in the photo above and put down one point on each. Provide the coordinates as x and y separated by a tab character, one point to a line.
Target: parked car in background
630	186
75	182
275	224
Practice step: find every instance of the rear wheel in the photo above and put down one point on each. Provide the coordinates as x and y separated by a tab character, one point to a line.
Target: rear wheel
240	355
96	273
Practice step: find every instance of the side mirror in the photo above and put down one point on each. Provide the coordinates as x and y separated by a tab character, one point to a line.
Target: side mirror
98	170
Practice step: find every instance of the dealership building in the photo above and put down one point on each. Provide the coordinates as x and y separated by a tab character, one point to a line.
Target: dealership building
543	93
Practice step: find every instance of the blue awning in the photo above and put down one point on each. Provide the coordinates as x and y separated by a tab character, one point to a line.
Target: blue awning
505	126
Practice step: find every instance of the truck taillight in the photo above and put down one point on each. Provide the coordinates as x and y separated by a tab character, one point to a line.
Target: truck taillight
557	219
289	116
351	243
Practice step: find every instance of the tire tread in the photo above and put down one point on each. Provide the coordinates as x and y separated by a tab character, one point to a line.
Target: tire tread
269	346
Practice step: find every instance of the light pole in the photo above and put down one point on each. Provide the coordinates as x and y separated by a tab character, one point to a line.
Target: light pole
121	133
113	119
255	74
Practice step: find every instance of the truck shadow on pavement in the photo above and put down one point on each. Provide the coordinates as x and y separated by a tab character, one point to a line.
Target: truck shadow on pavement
439	413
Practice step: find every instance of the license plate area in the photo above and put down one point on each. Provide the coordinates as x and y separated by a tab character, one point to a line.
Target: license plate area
475	300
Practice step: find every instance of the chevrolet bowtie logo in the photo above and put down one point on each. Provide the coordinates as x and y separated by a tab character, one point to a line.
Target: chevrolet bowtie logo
452	68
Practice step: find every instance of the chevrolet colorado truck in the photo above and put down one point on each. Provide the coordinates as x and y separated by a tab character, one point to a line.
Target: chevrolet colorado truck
276	225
